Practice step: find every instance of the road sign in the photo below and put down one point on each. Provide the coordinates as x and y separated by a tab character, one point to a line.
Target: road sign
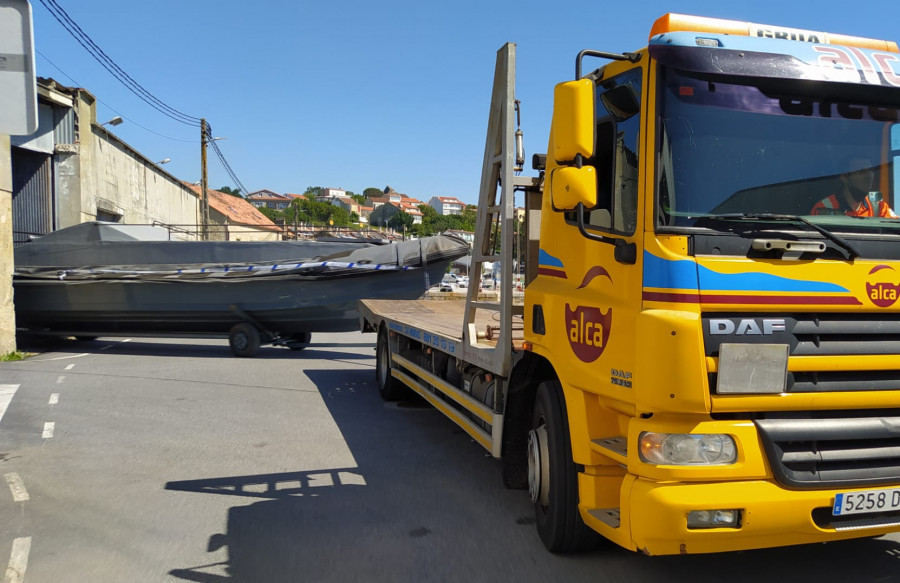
18	92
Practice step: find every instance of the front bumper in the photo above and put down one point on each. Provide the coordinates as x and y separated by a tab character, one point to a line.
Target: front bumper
771	517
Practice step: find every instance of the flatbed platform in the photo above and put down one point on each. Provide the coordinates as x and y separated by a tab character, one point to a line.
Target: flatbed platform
441	318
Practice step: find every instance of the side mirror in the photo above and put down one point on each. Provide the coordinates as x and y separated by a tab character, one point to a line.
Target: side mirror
573	120
571	186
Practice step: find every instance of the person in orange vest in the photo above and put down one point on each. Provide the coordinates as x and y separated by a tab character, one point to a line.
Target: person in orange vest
856	198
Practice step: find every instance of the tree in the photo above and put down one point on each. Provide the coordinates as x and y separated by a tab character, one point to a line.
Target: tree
272	214
313	191
358	198
373	192
401	221
432	222
467	218
232	191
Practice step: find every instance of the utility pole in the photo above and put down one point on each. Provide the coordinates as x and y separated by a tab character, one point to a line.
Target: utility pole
204	201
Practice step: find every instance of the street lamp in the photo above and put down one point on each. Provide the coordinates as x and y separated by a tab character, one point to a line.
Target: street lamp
114	121
164	161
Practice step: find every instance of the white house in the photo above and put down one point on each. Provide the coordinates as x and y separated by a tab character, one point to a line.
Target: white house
447	205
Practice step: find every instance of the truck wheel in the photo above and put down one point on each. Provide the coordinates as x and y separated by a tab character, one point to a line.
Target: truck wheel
299	341
389	388
552	476
244	340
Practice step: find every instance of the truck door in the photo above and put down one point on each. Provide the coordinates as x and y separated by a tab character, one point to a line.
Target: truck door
590	263
606	270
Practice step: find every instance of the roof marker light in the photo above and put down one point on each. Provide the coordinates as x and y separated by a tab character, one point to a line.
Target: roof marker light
682	23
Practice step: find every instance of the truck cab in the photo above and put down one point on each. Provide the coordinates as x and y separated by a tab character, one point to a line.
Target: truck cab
716	296
706	356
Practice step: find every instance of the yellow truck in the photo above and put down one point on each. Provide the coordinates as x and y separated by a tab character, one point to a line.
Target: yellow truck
706	353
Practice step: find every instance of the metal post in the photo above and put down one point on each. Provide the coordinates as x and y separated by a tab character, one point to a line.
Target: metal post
204	201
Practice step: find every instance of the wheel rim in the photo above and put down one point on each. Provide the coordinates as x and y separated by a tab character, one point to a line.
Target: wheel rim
241	341
538	466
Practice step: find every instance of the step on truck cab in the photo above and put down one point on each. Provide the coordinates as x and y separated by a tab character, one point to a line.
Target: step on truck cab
706	356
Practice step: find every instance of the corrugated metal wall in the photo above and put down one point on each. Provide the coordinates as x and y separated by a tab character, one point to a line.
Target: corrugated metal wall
63	125
32	208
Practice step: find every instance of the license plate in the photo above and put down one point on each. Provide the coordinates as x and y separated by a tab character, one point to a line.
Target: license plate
868	501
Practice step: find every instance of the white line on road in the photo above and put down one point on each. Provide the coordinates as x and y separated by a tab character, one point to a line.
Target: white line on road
59	357
18	560
20	494
54	399
60	379
49	426
6	395
70	366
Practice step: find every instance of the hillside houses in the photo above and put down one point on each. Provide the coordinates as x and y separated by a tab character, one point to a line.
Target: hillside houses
272	200
376	211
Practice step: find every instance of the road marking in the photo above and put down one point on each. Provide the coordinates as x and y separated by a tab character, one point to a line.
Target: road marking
60	379
49	426
20	494
18	560
54	399
6	395
70	366
61	357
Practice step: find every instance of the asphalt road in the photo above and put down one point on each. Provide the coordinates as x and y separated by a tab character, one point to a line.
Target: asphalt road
171	460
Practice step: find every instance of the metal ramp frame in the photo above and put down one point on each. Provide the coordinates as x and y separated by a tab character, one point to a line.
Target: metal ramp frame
496	202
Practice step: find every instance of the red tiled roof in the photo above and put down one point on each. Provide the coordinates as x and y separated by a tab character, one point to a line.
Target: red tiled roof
237	210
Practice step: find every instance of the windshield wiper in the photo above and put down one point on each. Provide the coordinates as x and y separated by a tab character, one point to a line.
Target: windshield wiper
851	250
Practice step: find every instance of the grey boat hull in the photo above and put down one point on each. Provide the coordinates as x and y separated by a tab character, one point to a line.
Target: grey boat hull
281	305
89	280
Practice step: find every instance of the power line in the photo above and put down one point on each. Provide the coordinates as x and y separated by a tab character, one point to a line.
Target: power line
101	57
111	108
221	157
125	79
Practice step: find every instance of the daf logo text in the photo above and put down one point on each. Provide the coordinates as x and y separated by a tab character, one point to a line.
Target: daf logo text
747	327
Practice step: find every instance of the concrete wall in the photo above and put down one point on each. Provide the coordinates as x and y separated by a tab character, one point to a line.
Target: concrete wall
117	179
7	315
222	230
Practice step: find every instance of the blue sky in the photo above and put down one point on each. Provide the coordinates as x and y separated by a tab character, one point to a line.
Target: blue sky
352	94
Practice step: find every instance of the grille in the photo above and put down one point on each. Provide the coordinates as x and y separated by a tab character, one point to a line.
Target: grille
833	452
821	335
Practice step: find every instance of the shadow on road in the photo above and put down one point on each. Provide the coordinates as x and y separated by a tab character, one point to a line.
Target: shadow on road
173	347
426	504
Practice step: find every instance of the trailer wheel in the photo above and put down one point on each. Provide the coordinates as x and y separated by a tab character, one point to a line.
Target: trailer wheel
299	341
389	388
552	476
244	340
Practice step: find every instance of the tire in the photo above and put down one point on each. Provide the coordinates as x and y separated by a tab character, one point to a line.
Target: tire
389	388
299	341
552	476
244	340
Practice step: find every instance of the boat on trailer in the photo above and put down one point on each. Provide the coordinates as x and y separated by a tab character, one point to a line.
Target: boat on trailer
103	279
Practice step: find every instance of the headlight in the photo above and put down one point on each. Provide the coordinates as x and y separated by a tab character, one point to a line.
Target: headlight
687	449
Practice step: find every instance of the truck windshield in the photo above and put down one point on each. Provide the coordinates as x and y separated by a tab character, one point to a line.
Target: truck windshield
726	148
